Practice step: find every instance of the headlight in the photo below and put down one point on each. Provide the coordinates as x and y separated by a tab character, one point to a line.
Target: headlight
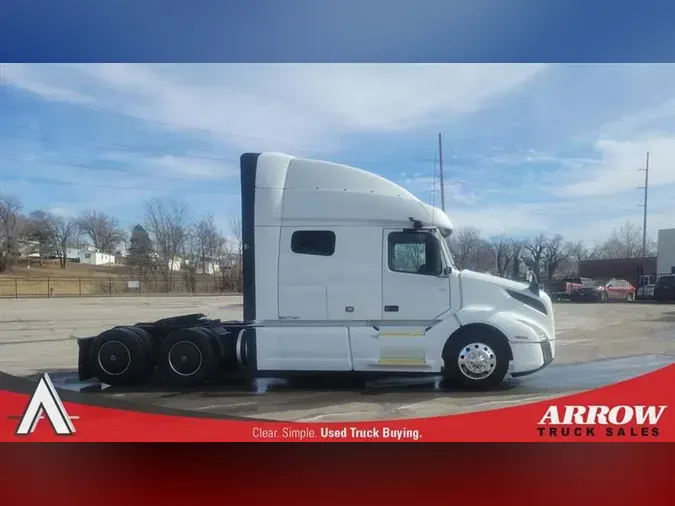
541	333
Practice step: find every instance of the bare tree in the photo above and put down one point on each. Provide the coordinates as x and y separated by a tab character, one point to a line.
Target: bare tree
202	247
38	234
503	254
229	265
595	253
465	245
230	255
484	258
168	223
535	253
236	234
102	229
578	252
191	258
624	242
64	232
517	248
554	255
10	231
208	240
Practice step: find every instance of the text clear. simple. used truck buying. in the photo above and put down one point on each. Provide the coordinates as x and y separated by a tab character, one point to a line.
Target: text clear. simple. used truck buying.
344	271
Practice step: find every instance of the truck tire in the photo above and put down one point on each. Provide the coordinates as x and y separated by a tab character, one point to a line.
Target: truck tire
148	344
477	359
187	357
119	357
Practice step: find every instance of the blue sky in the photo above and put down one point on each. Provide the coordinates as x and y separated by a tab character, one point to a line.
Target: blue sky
527	148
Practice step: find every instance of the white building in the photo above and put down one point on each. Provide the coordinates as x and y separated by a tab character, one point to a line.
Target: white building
208	268
92	256
175	264
665	259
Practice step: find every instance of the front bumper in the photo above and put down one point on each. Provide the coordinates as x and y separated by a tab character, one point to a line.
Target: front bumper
529	358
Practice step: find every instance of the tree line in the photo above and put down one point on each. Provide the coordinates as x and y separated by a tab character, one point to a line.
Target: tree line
167	240
548	257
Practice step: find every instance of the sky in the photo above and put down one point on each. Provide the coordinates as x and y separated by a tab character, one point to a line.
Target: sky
527	148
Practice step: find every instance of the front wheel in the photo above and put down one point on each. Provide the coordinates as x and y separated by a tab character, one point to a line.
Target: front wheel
476	360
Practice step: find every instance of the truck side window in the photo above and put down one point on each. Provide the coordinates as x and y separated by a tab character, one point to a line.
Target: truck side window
415	253
313	242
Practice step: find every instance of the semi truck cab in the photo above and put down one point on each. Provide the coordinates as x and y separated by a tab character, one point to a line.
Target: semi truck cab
351	272
346	271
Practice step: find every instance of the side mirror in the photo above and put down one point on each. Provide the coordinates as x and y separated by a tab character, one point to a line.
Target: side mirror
445	272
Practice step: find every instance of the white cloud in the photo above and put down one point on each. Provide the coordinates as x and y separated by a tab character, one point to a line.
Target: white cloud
619	167
581	181
22	77
307	107
175	166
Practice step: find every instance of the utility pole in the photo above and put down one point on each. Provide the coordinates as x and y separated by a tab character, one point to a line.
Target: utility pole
440	168
644	205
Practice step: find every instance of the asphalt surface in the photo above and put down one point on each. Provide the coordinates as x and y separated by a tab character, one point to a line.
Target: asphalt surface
598	344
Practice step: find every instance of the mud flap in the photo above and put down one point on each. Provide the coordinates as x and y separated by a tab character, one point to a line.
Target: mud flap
84	371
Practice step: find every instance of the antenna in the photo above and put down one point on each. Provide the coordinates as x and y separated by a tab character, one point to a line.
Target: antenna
644	205
440	167
433	188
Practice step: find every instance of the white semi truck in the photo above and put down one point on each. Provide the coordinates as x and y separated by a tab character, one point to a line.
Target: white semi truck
344	272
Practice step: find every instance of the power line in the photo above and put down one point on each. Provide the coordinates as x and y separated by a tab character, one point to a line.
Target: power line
107	169
115	147
39	180
165	152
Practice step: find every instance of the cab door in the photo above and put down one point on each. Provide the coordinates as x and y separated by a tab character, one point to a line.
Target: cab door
415	287
415	292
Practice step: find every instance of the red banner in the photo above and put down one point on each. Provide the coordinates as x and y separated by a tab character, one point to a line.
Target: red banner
638	409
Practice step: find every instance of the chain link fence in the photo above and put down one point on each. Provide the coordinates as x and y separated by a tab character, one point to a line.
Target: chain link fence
115	286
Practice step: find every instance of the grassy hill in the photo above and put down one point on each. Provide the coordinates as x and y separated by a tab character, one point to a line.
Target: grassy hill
51	268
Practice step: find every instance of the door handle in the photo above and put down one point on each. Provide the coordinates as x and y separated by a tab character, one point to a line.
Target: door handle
390	309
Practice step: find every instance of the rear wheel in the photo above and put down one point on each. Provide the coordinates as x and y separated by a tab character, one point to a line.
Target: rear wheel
603	296
119	356
630	297
187	357
148	344
476	359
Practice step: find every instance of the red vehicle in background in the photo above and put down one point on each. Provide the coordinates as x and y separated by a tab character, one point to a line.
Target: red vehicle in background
563	289
601	291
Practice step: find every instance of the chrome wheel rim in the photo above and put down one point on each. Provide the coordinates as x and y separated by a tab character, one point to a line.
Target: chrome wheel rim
185	358
477	361
109	361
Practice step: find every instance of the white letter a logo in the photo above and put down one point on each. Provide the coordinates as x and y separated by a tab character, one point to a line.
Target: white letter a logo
46	400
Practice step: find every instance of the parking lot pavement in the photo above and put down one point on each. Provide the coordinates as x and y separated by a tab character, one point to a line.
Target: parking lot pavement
598	344
39	334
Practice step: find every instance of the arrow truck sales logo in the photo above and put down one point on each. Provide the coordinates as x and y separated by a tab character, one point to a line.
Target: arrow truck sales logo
46	401
610	421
